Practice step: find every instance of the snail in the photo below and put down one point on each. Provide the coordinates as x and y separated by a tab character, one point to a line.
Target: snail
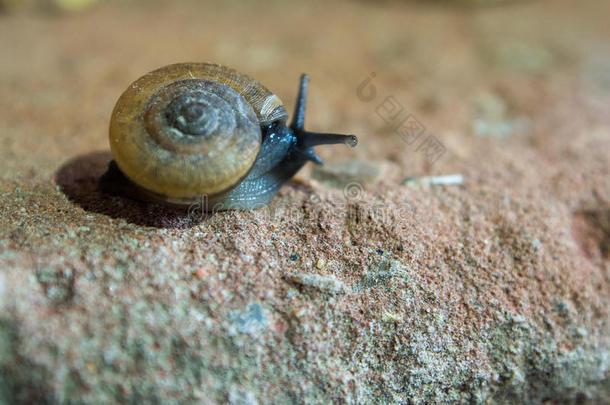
189	132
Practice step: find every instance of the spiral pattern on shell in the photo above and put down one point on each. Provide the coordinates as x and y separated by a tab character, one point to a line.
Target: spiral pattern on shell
190	129
200	117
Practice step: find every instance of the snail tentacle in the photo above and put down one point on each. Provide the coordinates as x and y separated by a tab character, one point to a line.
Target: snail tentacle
306	139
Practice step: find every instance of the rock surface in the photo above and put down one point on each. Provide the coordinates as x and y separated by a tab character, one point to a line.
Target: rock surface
495	290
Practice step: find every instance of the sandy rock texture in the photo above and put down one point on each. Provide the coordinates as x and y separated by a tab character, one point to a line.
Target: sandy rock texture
359	283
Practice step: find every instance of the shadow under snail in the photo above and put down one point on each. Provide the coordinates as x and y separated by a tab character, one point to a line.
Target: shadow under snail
193	132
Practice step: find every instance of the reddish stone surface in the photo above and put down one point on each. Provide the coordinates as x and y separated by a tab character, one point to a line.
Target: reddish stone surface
492	291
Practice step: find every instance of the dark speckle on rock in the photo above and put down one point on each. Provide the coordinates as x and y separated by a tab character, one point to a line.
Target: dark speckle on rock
58	284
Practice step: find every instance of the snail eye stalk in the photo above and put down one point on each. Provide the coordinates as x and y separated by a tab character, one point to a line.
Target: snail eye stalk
307	139
310	139
298	119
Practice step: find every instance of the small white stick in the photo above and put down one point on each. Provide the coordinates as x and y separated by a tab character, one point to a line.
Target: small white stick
445	180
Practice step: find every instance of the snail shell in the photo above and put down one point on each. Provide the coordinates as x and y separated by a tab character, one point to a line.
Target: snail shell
190	129
199	129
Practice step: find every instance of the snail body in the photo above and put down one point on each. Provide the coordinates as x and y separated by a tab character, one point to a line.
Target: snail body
193	132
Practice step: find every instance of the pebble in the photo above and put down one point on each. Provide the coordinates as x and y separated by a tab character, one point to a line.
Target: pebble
328	285
339	175
524	57
491	117
251	320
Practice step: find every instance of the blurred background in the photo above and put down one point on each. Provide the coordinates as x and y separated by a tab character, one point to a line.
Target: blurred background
499	79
